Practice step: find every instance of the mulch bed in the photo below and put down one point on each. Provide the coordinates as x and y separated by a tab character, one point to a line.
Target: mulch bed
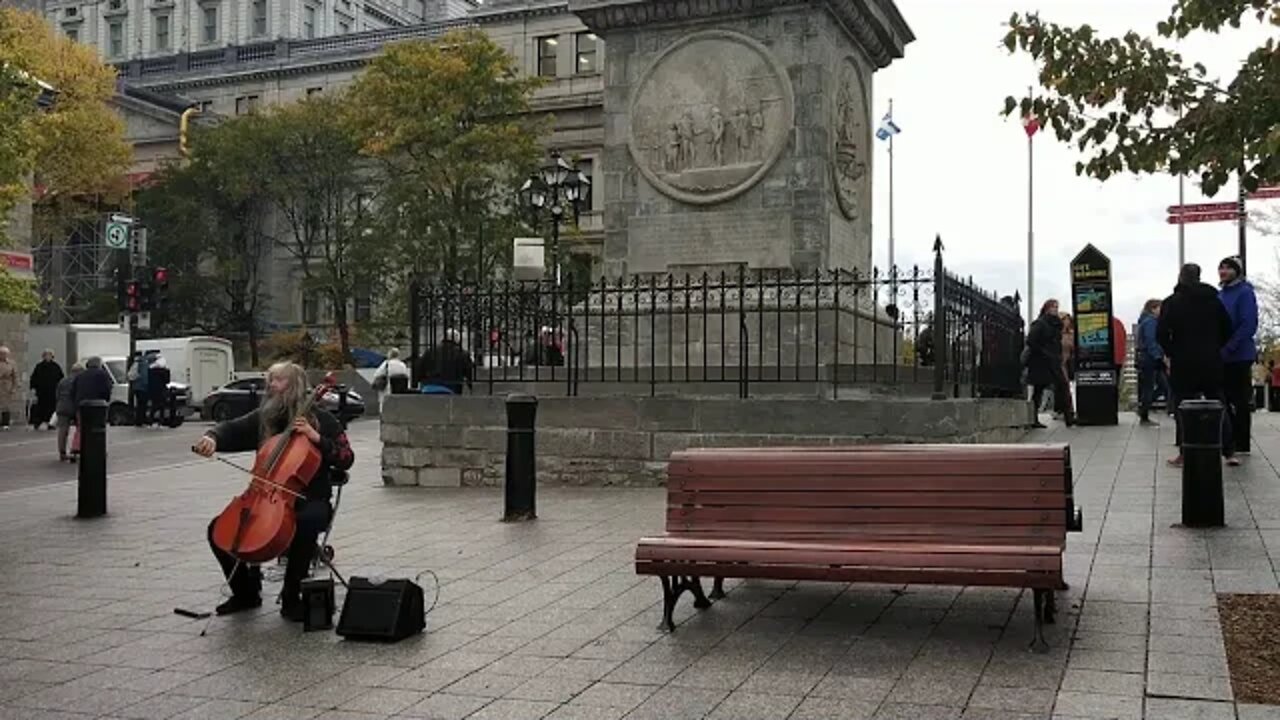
1251	630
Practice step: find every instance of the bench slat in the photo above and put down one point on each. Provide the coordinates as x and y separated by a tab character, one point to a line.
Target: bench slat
807	480
927	556
854	464
1039	498
995	452
893	576
872	533
685	516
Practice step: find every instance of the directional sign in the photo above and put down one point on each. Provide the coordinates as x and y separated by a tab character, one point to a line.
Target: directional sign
1204	208
1204	217
118	218
1265	193
117	236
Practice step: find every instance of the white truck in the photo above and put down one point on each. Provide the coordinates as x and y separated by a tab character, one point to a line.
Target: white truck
76	343
200	362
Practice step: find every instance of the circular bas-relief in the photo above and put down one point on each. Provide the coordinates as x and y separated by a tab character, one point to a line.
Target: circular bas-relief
710	116
851	136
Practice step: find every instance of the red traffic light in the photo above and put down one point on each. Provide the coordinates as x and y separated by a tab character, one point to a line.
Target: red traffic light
161	277
131	288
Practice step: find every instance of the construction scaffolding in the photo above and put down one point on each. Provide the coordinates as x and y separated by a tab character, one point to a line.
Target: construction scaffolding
73	268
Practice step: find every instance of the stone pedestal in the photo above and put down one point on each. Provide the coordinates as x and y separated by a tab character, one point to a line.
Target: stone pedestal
738	134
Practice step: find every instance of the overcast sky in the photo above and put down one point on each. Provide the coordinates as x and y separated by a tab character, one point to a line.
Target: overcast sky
961	169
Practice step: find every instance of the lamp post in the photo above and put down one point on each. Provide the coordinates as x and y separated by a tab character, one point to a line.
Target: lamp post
558	188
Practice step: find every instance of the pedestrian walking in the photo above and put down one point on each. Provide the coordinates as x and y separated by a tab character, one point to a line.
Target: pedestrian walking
65	408
8	387
1192	329
1241	351
1042	359
44	387
158	376
391	377
1068	363
139	375
1149	358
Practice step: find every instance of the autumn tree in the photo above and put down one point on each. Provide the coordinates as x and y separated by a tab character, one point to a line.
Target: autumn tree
17	108
450	122
207	220
323	198
1133	104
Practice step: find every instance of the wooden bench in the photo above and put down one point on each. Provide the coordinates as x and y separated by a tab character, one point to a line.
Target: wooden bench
994	515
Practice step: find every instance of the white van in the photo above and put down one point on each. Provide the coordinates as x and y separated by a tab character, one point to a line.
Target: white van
202	363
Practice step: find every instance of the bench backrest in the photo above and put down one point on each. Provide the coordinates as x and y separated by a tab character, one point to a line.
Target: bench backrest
958	493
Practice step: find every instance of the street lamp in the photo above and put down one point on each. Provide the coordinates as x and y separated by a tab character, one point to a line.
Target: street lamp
556	189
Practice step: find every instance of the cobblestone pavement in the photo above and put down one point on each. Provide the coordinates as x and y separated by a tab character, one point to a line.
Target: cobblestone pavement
548	619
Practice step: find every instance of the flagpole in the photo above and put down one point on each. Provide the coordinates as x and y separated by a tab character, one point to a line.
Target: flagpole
1031	236
892	264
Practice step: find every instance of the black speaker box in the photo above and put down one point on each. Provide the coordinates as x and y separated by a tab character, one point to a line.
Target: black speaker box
388	611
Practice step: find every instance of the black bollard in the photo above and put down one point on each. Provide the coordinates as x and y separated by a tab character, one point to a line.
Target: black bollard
1202	504
521	473
91	496
342	404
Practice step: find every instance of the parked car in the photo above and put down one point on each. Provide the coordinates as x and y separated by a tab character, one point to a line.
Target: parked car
242	396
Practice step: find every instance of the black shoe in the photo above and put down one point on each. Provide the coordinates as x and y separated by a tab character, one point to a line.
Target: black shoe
239	603
293	612
1148	422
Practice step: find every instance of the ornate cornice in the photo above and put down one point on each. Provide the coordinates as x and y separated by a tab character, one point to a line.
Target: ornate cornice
504	10
876	25
266	73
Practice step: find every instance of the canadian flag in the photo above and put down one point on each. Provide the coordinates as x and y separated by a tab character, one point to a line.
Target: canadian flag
1031	124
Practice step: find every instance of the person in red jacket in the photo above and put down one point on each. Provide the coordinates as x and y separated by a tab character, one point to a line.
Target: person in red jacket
1121	343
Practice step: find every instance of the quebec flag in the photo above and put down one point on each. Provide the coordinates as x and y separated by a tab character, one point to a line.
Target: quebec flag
887	128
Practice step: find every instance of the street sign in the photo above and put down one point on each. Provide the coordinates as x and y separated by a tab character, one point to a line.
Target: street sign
117	235
144	321
118	218
1204	217
19	264
1265	193
1203	208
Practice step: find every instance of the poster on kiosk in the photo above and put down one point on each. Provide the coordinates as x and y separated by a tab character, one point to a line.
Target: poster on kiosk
1097	377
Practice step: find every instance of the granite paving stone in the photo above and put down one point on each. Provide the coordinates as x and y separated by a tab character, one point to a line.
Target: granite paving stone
548	619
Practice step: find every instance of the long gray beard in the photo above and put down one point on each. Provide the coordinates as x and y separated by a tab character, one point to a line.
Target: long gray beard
277	413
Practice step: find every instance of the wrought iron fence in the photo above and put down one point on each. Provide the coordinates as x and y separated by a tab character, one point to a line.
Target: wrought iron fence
917	331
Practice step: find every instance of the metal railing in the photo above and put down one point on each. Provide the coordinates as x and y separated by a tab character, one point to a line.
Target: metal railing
906	332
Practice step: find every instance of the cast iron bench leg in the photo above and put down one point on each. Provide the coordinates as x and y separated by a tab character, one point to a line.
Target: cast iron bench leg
671	589
1050	607
1038	643
717	589
700	600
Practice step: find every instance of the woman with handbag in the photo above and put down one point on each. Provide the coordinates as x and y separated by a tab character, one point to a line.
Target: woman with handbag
391	377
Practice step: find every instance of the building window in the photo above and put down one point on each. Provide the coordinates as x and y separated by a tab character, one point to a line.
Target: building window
73	34
162	32
310	309
72	11
206	107
115	5
259	18
588	45
363	305
309	22
314	91
246	104
115	39
547	56
210	24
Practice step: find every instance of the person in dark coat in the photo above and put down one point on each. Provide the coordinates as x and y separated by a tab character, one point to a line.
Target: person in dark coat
94	383
1150	361
1043	363
1241	351
447	365
158	377
1192	329
44	384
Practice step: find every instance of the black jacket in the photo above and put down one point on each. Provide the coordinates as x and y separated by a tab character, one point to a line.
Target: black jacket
92	384
448	365
243	434
158	382
44	380
1192	329
1044	350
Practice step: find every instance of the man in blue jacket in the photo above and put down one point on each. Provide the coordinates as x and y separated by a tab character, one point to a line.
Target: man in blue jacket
1150	362
1240	352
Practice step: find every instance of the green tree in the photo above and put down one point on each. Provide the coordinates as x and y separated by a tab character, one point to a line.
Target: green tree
450	122
324	197
17	108
1131	104
207	223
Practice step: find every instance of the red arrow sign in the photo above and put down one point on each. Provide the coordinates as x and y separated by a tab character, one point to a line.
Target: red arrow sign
1204	217
1265	193
1203	208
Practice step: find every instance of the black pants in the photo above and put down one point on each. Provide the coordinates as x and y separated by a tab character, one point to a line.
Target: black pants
1209	391
1061	396
313	518
1237	388
1151	378
140	409
160	409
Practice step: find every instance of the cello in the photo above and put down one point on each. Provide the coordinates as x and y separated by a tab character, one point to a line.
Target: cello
259	524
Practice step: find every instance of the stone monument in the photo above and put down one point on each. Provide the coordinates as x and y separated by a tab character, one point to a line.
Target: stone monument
738	132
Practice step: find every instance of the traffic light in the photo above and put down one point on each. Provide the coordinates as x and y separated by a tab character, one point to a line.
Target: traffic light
160	286
133	296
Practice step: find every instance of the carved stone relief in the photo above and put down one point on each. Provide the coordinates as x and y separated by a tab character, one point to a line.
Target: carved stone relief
851	130
710	116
